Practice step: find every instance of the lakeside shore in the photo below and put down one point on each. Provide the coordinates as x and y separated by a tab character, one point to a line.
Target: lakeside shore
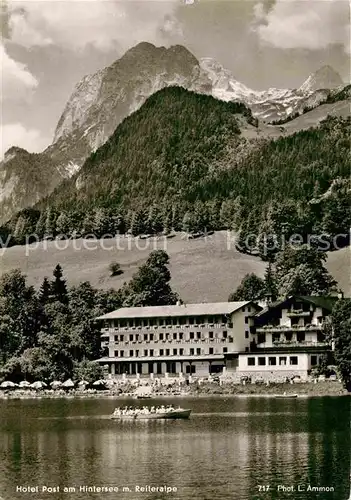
307	389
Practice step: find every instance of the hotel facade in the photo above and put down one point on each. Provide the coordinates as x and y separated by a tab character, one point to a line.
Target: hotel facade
242	339
191	339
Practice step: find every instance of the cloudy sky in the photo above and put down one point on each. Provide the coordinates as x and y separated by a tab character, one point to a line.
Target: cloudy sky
49	45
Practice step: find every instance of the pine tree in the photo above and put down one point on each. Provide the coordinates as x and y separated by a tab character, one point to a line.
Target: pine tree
188	222
58	286
63	224
44	291
138	223
268	241
50	222
20	230
118	224
40	226
154	220
176	217
167	227
101	222
271	289
225	215
242	238
88	224
338	332
213	209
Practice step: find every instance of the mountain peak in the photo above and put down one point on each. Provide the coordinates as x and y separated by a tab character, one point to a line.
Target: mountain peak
145	51
12	152
324	78
141	47
102	100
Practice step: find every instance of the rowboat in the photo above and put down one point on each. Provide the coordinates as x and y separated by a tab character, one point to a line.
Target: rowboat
286	396
169	415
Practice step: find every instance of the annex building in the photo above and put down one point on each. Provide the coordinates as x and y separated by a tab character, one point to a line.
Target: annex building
288	338
283	339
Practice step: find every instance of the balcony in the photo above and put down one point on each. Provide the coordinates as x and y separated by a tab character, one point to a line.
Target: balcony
298	313
295	343
171	341
286	328
112	329
291	346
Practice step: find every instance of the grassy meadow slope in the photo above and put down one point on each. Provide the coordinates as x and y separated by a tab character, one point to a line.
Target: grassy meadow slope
202	270
316	115
303	122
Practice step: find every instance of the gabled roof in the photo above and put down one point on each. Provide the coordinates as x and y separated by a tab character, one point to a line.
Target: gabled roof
326	302
203	309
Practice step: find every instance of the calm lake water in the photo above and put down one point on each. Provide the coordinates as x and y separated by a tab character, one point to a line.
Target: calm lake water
228	449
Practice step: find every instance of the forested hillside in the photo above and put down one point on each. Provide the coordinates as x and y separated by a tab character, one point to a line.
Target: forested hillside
166	145
24	179
179	163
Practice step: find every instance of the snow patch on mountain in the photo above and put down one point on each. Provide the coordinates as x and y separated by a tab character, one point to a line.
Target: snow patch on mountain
271	104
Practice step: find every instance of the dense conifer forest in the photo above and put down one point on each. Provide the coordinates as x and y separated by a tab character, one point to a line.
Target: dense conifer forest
180	163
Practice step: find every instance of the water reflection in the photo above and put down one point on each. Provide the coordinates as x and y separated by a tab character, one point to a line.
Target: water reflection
226	450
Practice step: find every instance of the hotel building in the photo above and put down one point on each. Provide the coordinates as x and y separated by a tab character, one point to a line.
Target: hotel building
185	338
283	339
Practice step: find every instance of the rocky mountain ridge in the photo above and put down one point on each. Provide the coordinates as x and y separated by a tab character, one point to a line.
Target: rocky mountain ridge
101	101
272	104
25	178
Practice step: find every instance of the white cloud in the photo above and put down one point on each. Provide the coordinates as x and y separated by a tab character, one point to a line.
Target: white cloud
25	32
307	24
76	24
16	79
15	134
171	26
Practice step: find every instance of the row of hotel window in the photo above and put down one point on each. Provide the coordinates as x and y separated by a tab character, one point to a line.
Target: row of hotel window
165	352
151	337
182	320
272	361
